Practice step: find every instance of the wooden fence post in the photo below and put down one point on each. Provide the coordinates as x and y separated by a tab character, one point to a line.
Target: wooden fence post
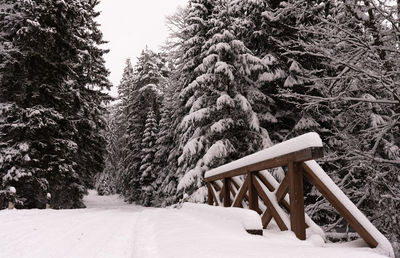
297	217
227	193
253	197
210	194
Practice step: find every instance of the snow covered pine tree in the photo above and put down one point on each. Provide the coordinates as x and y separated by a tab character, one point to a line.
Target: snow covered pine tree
50	112
144	96
221	123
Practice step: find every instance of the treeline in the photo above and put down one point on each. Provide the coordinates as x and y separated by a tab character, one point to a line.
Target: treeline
51	107
237	76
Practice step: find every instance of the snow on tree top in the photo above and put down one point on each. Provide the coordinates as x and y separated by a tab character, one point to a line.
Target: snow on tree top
298	143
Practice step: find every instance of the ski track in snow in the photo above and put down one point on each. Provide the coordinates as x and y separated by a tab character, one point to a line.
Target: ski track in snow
111	228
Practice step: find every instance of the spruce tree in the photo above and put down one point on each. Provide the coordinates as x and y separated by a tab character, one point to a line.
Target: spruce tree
148	165
51	112
118	149
172	109
167	148
221	124
147	84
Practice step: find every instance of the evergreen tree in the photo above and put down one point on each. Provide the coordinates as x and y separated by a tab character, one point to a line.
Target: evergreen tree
119	150
126	83
107	181
147	166
165	157
176	50
148	81
221	124
52	115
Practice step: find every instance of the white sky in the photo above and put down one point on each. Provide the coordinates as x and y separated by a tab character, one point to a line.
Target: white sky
130	25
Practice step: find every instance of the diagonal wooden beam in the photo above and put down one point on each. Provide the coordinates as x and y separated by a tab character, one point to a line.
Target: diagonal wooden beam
214	194
241	194
265	181
281	224
283	189
232	189
246	196
210	194
216	185
235	183
280	193
219	190
266	218
339	206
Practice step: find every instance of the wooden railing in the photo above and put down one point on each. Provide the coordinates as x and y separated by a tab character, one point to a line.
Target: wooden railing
245	183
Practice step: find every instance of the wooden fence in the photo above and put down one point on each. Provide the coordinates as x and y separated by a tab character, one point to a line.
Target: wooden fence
248	186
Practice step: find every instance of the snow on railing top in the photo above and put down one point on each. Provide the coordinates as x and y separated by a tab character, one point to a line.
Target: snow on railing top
301	142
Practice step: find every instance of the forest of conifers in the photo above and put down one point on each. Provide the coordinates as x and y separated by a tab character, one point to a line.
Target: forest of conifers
234	77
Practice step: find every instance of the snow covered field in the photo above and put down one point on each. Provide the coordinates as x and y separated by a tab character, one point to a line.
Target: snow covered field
111	228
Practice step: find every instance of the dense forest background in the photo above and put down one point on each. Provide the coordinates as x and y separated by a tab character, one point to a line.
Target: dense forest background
234	77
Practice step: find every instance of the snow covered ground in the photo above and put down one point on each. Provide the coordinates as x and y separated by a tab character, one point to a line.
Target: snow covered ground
111	228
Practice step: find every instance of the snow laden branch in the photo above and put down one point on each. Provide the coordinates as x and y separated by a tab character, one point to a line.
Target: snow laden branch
340	97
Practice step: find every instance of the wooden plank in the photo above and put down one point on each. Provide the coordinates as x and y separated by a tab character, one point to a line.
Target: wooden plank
269	205
259	211
218	190
210	195
242	192
282	191
338	205
216	185
253	198
265	181
246	197
266	218
227	194
235	183
296	195
232	189
297	156
214	194
258	232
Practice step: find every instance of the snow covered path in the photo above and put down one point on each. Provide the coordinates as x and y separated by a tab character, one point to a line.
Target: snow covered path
105	229
171	233
111	228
